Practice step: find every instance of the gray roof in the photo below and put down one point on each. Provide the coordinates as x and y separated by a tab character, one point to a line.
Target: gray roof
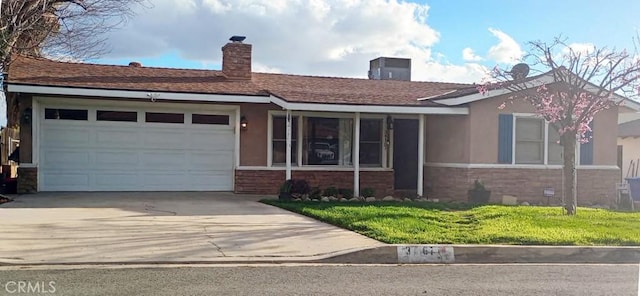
629	129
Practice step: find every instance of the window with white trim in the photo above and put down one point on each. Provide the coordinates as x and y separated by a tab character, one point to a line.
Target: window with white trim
327	141
532	136
279	140
371	142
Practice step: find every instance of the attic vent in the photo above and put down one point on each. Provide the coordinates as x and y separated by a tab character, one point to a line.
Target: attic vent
135	64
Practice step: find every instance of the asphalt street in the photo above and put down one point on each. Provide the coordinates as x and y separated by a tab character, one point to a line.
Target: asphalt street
520	280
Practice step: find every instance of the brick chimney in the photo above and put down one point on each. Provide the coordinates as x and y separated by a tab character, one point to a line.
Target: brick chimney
236	59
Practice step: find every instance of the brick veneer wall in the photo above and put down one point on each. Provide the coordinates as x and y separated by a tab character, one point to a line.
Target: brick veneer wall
595	186
27	180
268	181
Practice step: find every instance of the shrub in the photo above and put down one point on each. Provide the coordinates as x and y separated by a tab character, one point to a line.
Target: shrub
478	185
331	191
345	192
300	187
286	186
316	193
368	192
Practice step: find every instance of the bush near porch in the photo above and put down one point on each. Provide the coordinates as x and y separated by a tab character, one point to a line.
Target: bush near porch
444	223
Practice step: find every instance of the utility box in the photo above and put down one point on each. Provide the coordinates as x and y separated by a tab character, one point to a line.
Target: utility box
634	186
384	68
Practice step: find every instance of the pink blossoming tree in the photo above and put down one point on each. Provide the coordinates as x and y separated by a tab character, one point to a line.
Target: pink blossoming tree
577	85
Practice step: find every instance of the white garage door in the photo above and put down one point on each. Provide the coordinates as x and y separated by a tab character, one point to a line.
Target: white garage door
101	149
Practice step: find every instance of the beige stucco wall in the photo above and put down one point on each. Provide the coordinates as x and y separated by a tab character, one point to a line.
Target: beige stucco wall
630	151
626	114
253	140
605	137
447	139
483	121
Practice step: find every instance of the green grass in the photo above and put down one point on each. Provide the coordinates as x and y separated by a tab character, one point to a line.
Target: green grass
439	223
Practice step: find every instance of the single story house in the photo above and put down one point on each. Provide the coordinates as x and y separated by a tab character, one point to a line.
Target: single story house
88	127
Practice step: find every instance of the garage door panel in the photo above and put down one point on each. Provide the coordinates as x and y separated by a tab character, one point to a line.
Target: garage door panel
166	140
163	160
116	180
120	138
106	156
77	181
66	159
219	140
211	160
122	159
61	137
215	178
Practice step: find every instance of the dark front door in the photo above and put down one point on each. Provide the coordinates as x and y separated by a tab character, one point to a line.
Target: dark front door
405	153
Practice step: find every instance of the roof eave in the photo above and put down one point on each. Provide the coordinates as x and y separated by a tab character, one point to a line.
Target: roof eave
352	108
135	94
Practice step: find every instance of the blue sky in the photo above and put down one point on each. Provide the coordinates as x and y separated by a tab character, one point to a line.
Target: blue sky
338	37
602	23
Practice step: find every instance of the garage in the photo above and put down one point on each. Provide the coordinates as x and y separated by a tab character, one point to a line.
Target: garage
108	148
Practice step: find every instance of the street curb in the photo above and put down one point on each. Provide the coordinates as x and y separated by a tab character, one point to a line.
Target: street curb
420	254
478	254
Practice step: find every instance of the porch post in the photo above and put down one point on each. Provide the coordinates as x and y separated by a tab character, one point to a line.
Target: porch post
355	156
288	149
421	155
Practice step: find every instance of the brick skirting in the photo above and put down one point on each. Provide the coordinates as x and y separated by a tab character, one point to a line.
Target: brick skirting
27	180
268	181
595	186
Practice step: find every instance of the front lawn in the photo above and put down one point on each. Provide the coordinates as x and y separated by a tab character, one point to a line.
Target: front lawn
439	223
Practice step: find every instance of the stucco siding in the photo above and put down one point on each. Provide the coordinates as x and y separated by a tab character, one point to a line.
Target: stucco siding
483	122
253	140
630	152
447	139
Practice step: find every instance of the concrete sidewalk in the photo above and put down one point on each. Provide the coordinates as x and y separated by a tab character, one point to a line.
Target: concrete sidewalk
139	227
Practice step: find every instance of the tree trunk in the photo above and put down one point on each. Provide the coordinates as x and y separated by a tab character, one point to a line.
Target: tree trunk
569	172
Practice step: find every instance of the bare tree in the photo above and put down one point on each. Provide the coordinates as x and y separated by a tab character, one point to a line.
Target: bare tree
71	29
583	83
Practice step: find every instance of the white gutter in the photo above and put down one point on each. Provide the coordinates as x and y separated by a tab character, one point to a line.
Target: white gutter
368	108
108	93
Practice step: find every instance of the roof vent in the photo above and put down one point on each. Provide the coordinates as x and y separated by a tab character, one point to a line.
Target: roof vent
135	64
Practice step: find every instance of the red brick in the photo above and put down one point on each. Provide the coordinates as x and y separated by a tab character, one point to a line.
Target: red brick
594	185
268	181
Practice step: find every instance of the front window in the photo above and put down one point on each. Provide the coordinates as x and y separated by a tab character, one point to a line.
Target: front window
532	136
279	140
371	142
327	141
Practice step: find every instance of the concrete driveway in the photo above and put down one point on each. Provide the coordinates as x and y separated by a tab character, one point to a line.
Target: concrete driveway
162	227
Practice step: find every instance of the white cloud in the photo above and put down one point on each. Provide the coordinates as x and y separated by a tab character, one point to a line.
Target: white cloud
470	56
316	37
507	50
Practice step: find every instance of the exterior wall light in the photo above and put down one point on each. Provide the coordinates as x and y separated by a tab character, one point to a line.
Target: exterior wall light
244	124
26	116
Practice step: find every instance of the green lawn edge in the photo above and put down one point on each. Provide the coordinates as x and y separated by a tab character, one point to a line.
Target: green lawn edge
452	223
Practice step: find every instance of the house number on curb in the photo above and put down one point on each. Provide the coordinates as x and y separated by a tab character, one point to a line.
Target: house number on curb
425	254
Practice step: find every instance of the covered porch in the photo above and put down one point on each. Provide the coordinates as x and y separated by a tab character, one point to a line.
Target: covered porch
318	145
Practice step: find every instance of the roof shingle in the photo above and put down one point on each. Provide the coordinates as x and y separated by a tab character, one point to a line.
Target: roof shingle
292	88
